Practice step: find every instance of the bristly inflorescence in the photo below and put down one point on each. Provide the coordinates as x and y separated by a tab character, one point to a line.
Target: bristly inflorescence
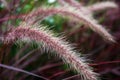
72	13
95	7
63	49
102	6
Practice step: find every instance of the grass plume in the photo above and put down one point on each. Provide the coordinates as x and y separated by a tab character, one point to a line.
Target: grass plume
72	13
63	49
102	6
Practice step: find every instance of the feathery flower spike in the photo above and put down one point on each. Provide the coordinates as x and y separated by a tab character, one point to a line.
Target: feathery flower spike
75	14
102	5
89	9
64	50
77	5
